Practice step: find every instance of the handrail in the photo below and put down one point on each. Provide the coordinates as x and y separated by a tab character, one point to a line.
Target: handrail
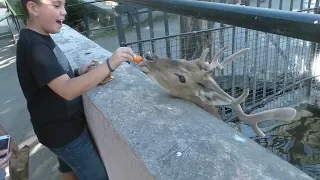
6	15
287	23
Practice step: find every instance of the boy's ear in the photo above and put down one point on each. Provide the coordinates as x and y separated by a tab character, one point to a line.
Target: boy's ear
32	8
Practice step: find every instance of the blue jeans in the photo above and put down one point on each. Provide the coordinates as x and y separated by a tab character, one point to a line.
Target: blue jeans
81	157
2	174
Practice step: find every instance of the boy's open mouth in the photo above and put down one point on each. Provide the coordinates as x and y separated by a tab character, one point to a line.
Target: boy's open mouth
59	22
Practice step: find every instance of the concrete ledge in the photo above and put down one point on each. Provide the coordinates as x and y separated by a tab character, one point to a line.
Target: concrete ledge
143	133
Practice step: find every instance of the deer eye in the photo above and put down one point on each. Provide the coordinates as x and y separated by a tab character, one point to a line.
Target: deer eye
182	79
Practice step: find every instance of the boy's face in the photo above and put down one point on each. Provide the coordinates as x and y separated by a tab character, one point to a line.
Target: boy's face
48	15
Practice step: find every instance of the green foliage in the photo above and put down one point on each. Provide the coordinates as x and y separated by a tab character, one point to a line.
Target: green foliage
17	9
16	6
75	12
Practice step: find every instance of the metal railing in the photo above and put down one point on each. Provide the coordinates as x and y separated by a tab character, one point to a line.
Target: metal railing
283	43
278	68
15	16
7	33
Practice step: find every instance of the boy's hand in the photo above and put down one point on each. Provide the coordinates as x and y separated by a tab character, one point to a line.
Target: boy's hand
120	55
84	68
4	162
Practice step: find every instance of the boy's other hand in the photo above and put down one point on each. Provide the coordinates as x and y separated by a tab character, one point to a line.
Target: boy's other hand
84	68
4	161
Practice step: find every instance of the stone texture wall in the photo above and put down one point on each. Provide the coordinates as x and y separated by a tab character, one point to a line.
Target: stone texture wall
143	133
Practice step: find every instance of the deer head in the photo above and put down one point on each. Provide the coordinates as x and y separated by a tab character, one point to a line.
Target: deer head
193	81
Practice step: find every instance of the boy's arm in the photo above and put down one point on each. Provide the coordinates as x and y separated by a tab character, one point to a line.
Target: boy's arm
70	89
79	71
48	71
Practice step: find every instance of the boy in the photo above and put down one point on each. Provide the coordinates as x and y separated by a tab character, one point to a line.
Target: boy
53	91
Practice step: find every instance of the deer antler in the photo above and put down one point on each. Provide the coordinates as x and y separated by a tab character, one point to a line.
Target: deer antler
215	63
252	119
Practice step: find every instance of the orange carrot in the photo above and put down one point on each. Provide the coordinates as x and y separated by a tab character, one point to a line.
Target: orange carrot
138	59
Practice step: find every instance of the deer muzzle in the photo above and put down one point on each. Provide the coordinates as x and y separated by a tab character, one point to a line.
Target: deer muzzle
149	56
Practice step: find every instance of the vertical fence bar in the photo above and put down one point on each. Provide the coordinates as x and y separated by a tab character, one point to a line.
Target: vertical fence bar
166	29
303	42
151	30
245	58
138	30
277	55
86	25
309	5
232	63
266	58
182	40
254	89
288	66
86	22
270	4
266	61
291	5
288	69
221	43
212	38
119	28
313	55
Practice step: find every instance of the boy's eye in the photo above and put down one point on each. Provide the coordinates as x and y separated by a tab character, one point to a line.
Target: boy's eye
57	5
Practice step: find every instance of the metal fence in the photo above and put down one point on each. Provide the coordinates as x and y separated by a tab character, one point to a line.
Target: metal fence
277	69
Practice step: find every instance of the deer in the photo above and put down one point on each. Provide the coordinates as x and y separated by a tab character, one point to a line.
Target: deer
193	80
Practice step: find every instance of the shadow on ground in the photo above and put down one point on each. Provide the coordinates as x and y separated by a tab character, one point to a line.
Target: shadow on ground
14	117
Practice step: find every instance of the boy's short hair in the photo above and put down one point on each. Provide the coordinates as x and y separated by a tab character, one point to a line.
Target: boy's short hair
24	5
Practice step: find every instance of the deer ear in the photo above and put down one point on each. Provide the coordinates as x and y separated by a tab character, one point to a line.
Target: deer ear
213	98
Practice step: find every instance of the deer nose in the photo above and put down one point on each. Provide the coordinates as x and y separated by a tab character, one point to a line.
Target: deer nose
149	56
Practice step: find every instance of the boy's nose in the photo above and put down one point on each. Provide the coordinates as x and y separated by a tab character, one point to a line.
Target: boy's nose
64	12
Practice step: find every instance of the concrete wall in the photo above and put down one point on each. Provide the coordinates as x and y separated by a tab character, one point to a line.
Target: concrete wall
143	133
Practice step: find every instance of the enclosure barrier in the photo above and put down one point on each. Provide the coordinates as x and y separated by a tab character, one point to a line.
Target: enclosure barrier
278	69
143	133
281	66
286	23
